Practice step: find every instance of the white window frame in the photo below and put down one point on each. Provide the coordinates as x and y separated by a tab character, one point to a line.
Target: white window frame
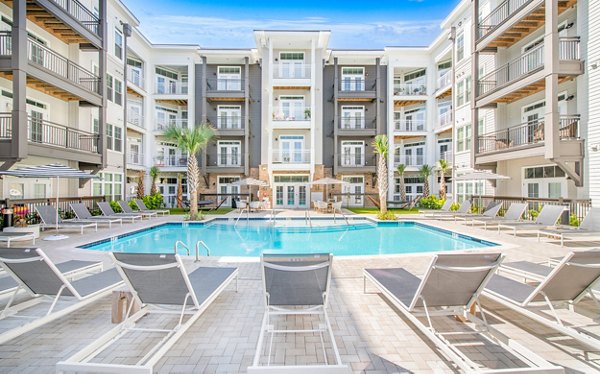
291	154
352	82
231	158
223	117
229	81
352	121
118	33
297	71
353	153
294	113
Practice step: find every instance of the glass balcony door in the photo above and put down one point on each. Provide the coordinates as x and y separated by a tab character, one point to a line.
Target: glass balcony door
229	153
292	147
353	154
292	107
229	78
353	117
229	117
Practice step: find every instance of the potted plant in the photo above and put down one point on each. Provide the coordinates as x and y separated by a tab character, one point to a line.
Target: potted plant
307	113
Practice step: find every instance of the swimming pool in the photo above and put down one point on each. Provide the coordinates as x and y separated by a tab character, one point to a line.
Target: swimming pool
251	238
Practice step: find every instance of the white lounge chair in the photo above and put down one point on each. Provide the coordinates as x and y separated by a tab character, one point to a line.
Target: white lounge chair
513	214
254	206
464	208
296	285
161	285
445	208
451	285
590	227
83	213
491	211
125	208
142	207
39	276
547	218
107	211
9	237
566	284
49	220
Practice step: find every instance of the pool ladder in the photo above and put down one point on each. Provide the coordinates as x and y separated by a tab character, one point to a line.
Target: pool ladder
187	249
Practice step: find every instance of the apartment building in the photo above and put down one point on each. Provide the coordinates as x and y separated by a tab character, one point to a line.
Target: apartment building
507	92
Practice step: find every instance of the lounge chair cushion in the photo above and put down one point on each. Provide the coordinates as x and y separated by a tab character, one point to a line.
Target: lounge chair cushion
528	267
296	288
93	283
399	282
205	280
509	288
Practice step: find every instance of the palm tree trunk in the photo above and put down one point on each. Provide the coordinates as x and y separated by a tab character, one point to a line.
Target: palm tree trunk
179	192
402	189
382	183
442	185
193	177
426	187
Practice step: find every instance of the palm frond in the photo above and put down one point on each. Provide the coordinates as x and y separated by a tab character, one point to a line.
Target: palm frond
381	146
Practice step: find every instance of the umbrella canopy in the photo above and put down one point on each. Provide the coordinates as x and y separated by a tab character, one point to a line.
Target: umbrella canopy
250	182
479	175
326	181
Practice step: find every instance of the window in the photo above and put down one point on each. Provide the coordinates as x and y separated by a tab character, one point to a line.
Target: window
414	75
353	79
460	46
229	117
291	65
118	146
118	44
114	138
463	138
352	153
229	78
463	92
118	92
135	71
109	185
229	153
544	181
353	117
291	56
109	136
109	88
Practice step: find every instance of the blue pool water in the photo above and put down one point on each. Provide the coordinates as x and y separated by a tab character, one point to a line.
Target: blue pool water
257	236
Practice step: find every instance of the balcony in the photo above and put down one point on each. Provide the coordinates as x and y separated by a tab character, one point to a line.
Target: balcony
446	156
358	162
135	158
291	160
172	88
291	75
412	161
410	127
357	125
444	121
444	85
225	89
225	124
526	135
409	93
291	118
527	72
135	77
182	123
230	162
135	120
171	161
68	80
357	89
81	14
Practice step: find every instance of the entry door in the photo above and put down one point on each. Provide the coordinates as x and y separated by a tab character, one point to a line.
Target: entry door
415	120
292	149
225	187
354	186
291	195
36	127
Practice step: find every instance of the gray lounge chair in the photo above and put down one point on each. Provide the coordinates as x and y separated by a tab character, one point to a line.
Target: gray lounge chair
161	286
445	208
491	211
48	215
464	208
127	209
547	218
590	227
83	213
564	285
451	285
107	211
9	237
39	276
142	207
513	214
296	285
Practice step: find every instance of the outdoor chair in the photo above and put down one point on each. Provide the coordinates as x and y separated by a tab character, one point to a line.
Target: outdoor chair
547	218
491	211
445	208
590	227
142	207
42	279
9	237
82	213
107	211
51	219
161	285
296	285
452	285
513	214
127	209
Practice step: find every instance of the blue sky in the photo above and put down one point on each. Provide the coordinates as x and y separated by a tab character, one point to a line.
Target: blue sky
354	24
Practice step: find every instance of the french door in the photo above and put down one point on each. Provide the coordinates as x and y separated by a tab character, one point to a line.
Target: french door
353	153
229	78
229	190
229	153
355	187
353	117
291	195
292	149
229	117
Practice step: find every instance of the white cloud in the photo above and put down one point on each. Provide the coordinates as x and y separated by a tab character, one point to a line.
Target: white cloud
227	33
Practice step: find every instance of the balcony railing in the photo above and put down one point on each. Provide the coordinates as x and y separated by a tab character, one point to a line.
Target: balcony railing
291	114
5	43
135	158
356	123
291	71
227	160
135	119
356	159
357	84
179	122
446	156
445	79
410	88
173	161
80	13
498	15
410	125
528	63
172	88
291	157
225	84
528	133
135	76
445	119
413	160
228	122
50	133
6	125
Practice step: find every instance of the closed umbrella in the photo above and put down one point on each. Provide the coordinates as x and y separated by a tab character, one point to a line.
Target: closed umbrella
50	171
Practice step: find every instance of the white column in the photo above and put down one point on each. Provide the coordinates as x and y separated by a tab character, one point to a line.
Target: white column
390	129
314	112
269	115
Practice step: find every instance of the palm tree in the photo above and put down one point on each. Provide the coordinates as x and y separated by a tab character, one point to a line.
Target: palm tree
179	192
443	168
401	169
381	148
154	170
191	141
140	185
425	171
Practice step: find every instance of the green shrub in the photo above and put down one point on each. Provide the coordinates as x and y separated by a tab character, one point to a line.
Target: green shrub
389	216
475	208
96	212
454	207
66	214
115	206
431	202
153	201
574	221
133	205
533	213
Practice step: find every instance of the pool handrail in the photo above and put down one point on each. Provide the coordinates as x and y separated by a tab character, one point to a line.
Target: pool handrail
197	247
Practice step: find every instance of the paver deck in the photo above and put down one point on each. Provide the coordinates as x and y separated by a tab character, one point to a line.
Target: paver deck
372	336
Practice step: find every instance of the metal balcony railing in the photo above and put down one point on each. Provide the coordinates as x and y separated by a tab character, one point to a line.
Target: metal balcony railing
291	157
283	70
135	76
291	114
6	125
412	88
356	123
179	122
446	156
356	159
53	134
173	161
445	118
172	88
225	84
137	120
413	160
445	79
526	64
5	43
229	159
135	158
528	133
498	15
357	84
227	122
410	125
80	13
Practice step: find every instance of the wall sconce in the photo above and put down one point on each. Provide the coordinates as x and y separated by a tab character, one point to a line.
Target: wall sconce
276	99
276	59
570	97
569	25
276	139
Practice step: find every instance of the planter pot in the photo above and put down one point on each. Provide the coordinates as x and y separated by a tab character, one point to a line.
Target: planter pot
35	229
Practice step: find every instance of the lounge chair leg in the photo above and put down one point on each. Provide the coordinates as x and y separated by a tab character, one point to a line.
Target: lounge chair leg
552	308
12	298
62	288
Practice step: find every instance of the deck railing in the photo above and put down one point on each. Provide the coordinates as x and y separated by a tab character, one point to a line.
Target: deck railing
54	134
26	207
412	88
291	157
356	123
445	79
498	15
225	84
81	13
227	122
410	125
356	159
6	125
5	43
356	84
576	207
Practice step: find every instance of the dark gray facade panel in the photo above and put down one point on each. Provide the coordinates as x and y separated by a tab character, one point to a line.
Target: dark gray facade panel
255	77
328	113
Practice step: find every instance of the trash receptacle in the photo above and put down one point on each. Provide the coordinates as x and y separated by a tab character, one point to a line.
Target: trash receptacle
7	218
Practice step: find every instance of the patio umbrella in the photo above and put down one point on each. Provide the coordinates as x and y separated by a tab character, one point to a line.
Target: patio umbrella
326	182
50	171
250	182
